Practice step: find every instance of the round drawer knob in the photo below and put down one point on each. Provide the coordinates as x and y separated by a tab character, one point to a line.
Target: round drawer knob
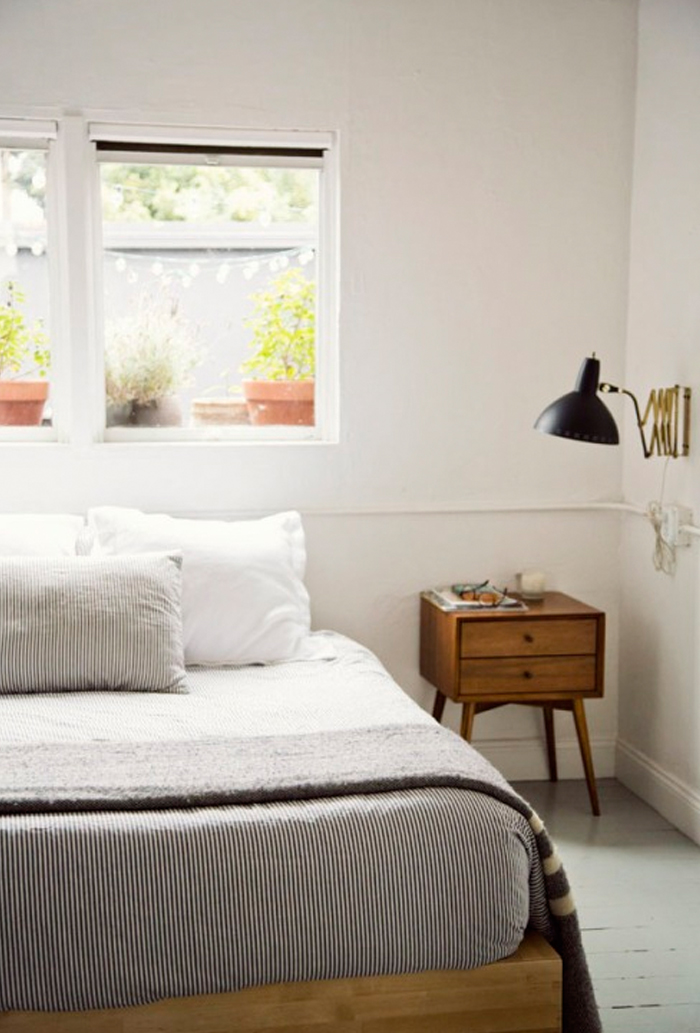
527	674
528	638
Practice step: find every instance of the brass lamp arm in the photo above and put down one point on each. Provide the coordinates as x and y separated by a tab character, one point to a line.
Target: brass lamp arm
611	389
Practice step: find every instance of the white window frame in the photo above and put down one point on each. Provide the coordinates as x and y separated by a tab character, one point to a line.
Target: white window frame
40	134
326	428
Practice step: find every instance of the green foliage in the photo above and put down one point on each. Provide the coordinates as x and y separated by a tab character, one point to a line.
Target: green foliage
26	171
181	193
150	353
206	193
20	343
284	329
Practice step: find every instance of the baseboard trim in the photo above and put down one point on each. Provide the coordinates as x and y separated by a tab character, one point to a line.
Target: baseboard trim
524	760
678	802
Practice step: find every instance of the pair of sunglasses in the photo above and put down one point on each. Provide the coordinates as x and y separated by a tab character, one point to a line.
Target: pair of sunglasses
484	593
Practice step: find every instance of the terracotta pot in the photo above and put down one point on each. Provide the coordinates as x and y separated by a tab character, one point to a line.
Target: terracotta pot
221	412
161	412
22	402
275	402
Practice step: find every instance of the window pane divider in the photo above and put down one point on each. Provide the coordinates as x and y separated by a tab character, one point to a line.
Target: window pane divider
79	222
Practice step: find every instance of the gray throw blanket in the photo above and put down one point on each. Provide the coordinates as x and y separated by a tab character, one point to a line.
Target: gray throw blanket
99	776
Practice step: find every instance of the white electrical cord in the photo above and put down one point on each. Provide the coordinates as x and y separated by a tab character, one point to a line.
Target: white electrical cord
664	554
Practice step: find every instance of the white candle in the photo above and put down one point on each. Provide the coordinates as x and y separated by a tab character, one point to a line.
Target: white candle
532	584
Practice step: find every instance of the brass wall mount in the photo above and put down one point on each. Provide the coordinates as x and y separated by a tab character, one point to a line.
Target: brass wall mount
665	426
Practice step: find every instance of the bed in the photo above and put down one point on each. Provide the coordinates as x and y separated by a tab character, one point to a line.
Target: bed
284	846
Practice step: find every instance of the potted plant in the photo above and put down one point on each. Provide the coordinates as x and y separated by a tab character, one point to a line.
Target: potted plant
22	348
149	357
281	389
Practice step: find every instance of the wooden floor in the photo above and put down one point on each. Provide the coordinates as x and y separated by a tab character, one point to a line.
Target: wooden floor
636	882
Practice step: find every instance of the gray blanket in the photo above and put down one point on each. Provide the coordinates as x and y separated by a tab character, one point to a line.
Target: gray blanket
44	777
55	776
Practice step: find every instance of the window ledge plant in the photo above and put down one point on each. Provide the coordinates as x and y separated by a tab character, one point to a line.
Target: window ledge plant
280	388
23	350
149	357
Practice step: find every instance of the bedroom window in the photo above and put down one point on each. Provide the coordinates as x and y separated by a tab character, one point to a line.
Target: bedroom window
217	284
27	373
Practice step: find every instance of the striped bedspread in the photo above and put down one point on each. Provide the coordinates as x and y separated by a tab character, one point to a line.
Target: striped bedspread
107	908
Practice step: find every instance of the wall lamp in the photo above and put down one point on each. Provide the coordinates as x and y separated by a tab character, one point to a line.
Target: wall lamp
581	415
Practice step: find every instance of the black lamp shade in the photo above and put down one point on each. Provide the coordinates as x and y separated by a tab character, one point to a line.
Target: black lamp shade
581	414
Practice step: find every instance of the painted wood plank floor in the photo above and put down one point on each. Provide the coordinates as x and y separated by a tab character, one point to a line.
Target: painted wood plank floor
636	882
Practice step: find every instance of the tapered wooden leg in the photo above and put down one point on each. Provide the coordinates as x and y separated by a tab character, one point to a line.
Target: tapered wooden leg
551	742
468	711
438	706
585	747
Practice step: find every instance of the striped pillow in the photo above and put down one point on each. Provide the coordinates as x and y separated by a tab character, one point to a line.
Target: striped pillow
91	622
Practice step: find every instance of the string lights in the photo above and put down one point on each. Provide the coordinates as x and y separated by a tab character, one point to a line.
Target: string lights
167	270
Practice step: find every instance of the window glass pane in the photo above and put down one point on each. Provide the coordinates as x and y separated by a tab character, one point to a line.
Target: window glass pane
209	275
24	289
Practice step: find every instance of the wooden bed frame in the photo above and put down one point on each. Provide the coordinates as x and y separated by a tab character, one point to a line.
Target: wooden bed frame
521	994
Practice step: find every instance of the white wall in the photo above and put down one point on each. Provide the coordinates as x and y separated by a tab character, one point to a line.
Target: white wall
486	171
659	752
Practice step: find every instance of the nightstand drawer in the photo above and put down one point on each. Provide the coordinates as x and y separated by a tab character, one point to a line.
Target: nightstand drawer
527	677
527	637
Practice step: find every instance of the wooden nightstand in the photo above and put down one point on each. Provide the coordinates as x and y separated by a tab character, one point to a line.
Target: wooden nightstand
550	655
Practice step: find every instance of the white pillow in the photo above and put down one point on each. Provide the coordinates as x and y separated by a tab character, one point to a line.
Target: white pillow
39	534
243	596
